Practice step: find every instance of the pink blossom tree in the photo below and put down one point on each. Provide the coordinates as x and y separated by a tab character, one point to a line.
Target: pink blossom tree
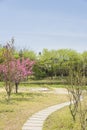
14	70
22	69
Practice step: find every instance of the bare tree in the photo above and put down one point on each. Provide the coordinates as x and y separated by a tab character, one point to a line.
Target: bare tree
76	81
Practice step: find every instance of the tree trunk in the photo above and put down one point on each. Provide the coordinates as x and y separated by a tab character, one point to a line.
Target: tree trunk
16	87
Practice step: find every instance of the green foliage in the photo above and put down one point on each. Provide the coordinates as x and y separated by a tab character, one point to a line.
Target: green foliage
29	54
16	54
57	62
84	57
1	55
52	63
39	71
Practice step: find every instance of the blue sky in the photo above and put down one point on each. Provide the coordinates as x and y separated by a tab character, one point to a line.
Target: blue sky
38	24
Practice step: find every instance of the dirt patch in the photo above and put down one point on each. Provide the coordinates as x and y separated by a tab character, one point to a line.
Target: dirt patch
42	89
60	90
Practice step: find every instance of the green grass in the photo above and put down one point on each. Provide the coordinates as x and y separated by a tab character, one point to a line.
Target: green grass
1	84
43	85
62	119
13	114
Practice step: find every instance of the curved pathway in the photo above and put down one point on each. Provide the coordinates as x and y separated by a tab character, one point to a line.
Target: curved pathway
35	122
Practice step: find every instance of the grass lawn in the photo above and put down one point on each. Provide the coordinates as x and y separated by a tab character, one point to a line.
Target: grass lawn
61	120
14	114
49	86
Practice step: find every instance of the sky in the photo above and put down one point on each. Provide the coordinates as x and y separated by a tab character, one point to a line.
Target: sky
38	24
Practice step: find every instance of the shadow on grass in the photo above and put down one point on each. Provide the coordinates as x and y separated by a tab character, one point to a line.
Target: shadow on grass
25	96
6	110
19	97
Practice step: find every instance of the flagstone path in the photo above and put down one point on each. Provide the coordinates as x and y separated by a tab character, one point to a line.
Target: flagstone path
36	121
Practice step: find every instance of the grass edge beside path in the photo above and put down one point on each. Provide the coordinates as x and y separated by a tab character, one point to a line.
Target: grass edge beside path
14	114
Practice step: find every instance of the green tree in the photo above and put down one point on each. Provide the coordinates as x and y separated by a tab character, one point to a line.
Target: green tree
29	54
84	56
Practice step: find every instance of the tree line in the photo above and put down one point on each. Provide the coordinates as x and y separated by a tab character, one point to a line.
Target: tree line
51	63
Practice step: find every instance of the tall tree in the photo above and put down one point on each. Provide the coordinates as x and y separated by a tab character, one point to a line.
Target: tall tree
14	70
